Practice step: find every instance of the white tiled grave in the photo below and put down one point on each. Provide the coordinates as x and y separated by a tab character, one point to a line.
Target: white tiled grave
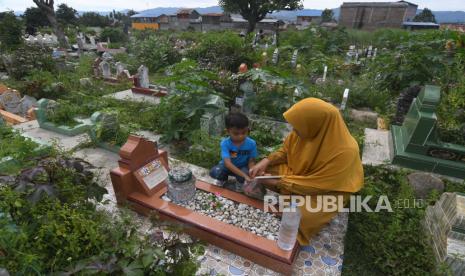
128	95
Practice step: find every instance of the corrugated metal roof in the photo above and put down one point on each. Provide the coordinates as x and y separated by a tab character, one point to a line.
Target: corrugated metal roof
374	4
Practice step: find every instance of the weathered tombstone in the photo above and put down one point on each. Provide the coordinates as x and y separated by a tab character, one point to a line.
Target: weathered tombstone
143	74
370	51
119	68
107	56
92	40
80	44
249	94
444	224
375	53
85	82
294	58
27	102
275	39
325	73
416	143
213	122
275	57
105	69
109	126
10	101
345	97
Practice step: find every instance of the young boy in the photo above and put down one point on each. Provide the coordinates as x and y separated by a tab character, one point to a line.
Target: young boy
238	151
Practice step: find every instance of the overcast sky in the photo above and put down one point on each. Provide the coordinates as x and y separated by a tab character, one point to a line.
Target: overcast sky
106	5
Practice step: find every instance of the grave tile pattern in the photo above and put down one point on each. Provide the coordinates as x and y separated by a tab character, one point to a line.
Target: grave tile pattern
324	256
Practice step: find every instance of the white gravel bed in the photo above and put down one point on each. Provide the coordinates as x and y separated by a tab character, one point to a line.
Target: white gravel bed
238	214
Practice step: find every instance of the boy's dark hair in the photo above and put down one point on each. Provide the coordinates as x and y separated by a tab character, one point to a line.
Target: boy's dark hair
237	120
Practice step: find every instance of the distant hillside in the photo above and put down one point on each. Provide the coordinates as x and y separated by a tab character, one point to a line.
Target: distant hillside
441	16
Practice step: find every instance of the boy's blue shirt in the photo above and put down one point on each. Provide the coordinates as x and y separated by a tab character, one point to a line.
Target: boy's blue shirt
239	156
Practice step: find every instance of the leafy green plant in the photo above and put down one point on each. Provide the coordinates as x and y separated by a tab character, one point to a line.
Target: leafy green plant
387	243
63	114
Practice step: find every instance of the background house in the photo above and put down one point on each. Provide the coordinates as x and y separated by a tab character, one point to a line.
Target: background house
374	15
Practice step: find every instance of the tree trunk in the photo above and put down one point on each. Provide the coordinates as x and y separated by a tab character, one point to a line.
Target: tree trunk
251	28
57	29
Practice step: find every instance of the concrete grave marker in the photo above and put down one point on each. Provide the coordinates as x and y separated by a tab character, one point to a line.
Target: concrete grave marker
213	122
119	68
275	57
10	101
345	97
294	58
105	69
143	73
416	143
325	73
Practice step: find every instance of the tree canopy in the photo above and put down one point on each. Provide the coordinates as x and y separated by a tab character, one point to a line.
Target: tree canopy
255	10
66	14
327	15
93	19
425	15
34	18
10	31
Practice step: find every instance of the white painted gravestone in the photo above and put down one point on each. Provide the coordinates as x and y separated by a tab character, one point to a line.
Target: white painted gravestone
105	69
213	122
143	73
275	57
345	98
294	58
325	73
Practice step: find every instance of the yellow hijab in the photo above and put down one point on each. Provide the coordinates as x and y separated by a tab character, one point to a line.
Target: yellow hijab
320	151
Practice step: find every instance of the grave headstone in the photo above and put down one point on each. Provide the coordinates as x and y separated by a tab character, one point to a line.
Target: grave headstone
92	40
27	102
444	224
345	97
143	74
105	69
275	57
10	101
275	39
142	168
294	58
107	56
213	122
119	68
109	126
249	94
416	143
375	53
325	73
85	82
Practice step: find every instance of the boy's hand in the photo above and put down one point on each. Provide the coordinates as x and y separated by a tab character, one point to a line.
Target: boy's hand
260	168
248	179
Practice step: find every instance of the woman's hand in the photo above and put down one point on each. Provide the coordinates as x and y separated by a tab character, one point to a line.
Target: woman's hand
260	168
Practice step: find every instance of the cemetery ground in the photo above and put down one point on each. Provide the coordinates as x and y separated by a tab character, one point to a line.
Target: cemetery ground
54	220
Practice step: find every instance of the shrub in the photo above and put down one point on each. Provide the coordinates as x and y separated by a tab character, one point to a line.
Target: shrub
155	52
116	35
28	58
10	31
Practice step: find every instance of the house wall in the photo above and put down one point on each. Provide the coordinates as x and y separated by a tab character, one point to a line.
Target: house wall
373	17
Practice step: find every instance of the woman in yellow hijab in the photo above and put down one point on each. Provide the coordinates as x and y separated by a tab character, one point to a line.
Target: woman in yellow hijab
319	157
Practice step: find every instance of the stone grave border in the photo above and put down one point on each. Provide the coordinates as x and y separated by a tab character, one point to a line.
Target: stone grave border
259	249
131	183
41	115
95	118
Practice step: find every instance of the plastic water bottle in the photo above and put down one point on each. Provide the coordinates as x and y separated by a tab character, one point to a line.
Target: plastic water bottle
289	227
